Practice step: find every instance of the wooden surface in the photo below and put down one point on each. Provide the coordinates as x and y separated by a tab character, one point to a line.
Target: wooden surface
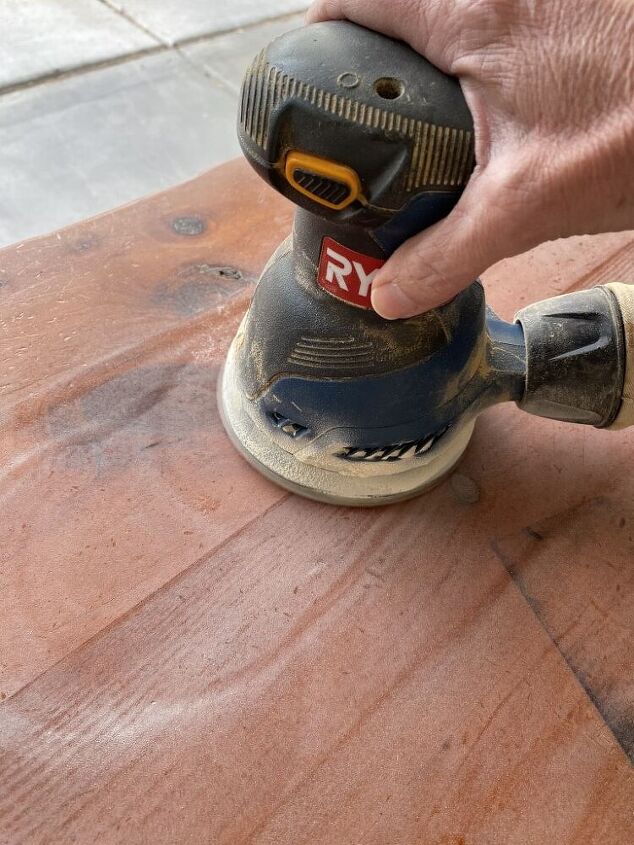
190	655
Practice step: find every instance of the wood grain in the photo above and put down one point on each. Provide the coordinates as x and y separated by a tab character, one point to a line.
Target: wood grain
114	472
586	603
191	655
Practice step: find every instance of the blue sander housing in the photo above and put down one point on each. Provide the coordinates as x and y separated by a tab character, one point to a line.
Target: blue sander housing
321	394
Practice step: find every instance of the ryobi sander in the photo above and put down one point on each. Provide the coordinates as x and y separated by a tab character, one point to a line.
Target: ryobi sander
322	395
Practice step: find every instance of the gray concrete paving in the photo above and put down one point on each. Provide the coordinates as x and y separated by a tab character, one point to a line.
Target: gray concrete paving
40	37
177	20
74	146
107	137
226	57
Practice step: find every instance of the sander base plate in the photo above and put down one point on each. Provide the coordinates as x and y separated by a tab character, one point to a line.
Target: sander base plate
324	485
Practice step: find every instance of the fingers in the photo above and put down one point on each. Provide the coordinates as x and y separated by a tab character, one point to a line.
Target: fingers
411	21
374	14
325	10
370	13
431	268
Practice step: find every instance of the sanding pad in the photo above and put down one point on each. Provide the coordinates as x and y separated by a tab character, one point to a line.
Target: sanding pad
308	478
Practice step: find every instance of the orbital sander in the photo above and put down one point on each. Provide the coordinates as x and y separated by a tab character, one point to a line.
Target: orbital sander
374	144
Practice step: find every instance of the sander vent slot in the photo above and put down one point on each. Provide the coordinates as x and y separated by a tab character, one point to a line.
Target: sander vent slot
289	427
320	186
337	353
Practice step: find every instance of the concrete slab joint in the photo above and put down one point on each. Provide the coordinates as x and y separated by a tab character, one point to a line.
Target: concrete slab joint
98	110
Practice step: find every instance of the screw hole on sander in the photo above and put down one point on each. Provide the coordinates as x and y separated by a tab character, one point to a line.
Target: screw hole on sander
389	88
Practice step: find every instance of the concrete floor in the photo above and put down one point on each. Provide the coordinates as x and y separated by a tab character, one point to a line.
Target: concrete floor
105	101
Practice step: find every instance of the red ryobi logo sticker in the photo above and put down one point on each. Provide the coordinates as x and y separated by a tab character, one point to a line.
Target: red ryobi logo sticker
346	274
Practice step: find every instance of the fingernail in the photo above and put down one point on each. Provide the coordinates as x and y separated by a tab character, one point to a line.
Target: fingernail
392	303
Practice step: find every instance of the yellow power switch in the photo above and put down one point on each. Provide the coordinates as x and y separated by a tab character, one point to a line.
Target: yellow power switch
333	185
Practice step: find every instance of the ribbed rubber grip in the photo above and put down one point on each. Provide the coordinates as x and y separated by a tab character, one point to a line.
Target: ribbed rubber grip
356	99
624	295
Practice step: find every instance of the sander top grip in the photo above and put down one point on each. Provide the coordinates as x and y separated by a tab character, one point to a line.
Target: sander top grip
357	128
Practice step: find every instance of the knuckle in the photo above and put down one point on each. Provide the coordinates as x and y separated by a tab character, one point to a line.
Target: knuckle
433	272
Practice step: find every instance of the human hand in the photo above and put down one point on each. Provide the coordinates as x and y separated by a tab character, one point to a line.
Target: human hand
550	85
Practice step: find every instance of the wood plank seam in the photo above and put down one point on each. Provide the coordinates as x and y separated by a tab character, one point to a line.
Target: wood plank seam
578	674
167	585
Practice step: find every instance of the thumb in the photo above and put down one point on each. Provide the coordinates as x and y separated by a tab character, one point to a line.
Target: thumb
432	267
